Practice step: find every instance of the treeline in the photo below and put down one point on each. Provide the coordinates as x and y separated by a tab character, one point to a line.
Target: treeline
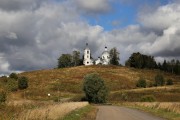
172	66
138	60
70	60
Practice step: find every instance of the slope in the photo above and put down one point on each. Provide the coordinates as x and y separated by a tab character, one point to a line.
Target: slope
67	82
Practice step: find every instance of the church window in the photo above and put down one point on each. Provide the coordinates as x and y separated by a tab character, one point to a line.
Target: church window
87	52
87	62
87	56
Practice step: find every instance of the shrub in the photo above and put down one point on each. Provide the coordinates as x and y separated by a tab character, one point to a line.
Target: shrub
141	83
148	98
14	76
12	85
124	96
95	89
169	82
23	82
151	84
159	80
2	96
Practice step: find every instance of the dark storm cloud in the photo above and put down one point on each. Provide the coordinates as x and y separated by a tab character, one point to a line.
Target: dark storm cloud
15	5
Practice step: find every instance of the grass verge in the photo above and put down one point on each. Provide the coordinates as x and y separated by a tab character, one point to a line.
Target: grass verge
160	112
85	113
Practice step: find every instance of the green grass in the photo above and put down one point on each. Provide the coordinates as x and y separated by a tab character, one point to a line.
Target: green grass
80	114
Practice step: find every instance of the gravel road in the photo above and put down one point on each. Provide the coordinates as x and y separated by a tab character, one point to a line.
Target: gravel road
123	113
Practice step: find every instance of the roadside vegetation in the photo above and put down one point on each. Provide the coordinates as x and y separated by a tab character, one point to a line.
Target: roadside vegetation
168	110
85	113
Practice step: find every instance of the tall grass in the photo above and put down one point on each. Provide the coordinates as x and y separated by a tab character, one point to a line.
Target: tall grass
167	106
168	110
51	111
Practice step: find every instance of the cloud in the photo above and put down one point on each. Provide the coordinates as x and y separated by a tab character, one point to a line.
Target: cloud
165	19
12	35
162	18
93	6
32	39
15	5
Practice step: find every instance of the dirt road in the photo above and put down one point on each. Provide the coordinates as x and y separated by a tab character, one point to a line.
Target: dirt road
122	113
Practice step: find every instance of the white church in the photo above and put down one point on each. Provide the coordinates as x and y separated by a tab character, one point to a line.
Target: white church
103	60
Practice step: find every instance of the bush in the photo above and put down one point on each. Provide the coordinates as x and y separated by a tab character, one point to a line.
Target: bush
2	96
23	82
95	89
12	85
14	76
148	98
169	82
141	83
159	80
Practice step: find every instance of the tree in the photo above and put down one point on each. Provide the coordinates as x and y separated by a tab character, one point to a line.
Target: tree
138	60
23	82
95	89
141	83
14	76
177	68
164	66
114	56
65	60
76	58
159	80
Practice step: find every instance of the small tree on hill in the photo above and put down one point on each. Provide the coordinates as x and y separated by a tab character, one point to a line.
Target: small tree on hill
76	58
14	76
114	56
141	83
95	89
65	60
23	82
159	80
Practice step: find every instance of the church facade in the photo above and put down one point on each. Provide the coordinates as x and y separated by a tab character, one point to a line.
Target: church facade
103	60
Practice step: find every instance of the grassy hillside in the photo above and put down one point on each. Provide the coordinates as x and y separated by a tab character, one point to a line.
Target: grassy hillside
67	82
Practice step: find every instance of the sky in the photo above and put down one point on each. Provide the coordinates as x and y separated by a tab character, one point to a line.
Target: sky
34	33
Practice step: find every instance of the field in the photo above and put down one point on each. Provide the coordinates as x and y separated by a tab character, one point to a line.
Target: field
65	85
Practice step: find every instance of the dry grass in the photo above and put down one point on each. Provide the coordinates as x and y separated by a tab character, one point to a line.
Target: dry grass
69	81
51	111
168	106
162	94
167	110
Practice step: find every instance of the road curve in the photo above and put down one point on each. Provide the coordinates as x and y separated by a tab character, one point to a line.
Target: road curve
123	113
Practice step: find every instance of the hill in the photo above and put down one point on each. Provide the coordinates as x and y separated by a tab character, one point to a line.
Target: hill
67	83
